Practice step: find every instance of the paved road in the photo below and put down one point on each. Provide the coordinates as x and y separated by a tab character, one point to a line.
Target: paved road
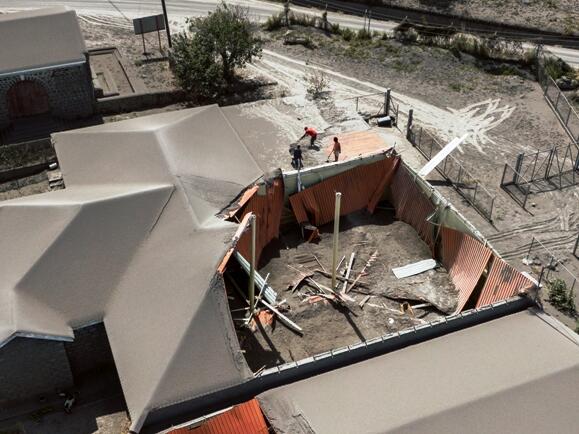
178	10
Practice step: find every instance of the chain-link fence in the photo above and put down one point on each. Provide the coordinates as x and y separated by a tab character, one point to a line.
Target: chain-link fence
374	105
516	185
559	282
541	171
462	181
563	108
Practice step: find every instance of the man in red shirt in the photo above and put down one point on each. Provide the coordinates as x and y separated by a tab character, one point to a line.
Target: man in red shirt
336	150
312	133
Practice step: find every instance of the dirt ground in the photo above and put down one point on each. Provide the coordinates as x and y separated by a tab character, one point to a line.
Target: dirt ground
30	185
558	15
152	69
329	326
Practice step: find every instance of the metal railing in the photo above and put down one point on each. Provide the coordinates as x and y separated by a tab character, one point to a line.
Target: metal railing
559	103
450	168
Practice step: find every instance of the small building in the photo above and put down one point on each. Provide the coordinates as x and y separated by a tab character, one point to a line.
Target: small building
44	69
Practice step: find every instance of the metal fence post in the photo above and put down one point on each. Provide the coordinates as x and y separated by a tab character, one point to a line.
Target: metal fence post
387	102
518	166
409	125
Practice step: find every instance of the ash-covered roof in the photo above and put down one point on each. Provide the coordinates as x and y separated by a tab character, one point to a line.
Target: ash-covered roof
133	241
40	38
516	374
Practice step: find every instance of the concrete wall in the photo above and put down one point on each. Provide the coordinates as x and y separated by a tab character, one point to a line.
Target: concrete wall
70	91
139	101
30	368
90	352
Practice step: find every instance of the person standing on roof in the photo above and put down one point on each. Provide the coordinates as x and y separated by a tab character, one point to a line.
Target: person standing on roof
312	133
336	150
297	158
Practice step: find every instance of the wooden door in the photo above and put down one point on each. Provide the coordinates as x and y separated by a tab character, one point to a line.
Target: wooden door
27	98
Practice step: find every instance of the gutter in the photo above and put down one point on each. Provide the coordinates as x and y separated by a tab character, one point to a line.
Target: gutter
184	412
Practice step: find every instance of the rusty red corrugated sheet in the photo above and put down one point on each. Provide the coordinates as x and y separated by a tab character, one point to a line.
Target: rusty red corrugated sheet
465	259
268	209
502	282
245	418
361	187
412	205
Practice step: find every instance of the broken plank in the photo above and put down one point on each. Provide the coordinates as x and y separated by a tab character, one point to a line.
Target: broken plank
348	271
364	301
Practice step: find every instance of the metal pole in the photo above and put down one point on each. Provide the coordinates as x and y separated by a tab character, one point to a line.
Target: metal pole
144	48
336	232
387	103
369	19
167	23
159	37
409	126
251	289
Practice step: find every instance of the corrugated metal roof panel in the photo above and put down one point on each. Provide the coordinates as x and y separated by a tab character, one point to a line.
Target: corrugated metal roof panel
245	418
268	209
502	282
411	205
465	259
361	187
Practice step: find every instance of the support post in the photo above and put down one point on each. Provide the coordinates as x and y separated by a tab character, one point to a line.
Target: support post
387	102
336	232
167	23
409	126
251	289
144	47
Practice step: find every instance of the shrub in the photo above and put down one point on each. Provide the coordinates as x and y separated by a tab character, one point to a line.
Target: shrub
561	298
274	22
318	83
348	35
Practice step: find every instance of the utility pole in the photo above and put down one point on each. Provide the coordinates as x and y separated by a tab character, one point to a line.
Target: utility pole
166	23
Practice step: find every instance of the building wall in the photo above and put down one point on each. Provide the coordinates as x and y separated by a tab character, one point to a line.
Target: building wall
90	351
31	368
69	89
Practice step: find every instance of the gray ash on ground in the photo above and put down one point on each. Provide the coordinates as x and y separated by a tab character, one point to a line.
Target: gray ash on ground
328	325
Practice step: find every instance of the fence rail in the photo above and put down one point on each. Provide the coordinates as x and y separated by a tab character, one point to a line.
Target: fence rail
559	103
462	181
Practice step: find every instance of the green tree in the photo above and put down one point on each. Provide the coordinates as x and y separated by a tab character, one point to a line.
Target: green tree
204	57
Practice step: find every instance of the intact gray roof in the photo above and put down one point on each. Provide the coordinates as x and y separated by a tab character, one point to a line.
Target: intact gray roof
133	241
40	38
517	374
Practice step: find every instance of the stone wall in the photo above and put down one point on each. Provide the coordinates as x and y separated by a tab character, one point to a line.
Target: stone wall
70	91
90	352
30	368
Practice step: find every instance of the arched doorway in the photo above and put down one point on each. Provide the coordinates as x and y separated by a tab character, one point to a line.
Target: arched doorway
27	98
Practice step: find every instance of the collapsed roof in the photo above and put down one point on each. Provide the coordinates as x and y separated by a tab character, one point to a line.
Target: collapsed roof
133	241
487	378
40	38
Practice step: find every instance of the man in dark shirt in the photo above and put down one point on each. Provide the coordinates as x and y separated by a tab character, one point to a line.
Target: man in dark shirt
297	158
